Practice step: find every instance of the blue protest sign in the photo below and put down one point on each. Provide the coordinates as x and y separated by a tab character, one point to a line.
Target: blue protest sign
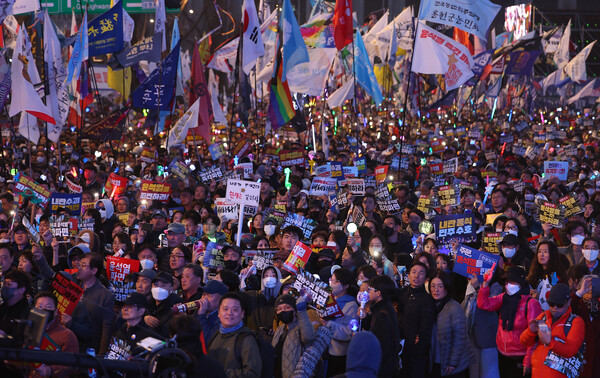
71	202
460	227
337	170
361	164
105	32
472	262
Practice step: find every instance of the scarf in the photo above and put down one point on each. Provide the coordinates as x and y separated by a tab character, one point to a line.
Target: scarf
510	305
439	305
225	331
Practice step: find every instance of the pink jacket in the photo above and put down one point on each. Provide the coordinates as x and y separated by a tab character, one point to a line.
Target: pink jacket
508	342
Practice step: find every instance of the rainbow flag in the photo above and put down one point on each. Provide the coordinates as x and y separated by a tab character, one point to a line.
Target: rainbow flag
281	107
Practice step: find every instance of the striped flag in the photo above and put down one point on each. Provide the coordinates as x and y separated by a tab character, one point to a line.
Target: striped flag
281	106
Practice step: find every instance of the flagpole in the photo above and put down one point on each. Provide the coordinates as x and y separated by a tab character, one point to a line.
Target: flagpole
354	101
405	110
236	73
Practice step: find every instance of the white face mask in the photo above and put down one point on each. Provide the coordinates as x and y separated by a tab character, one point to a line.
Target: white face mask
577	239
269	282
529	197
359	282
269	229
375	251
513	232
102	214
510	288
146	264
590	254
509	252
582	176
159	293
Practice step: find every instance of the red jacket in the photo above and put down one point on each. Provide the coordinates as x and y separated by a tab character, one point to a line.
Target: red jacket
567	348
508	342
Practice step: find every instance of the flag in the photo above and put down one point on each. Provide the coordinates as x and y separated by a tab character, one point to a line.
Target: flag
128	27
494	89
310	78
6	8
437	54
253	46
188	121
391	54
6	83
462	36
343	93
28	127
219	117
199	93
561	56
160	22
110	128
555	79
105	32
521	62
120	81
294	48
592	89
174	39
25	6
56	74
79	53
472	16
146	49
343	27
281	108
575	69
158	89
23	76
403	23
364	71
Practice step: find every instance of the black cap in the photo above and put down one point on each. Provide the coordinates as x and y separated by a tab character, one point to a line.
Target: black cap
286	299
327	252
136	299
215	287
163	277
516	274
510	239
559	294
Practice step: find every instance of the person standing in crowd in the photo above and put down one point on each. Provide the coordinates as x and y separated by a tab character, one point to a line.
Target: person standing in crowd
163	299
585	303
134	329
14	306
208	310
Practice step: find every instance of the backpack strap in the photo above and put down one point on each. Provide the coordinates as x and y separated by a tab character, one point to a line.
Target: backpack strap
569	324
237	346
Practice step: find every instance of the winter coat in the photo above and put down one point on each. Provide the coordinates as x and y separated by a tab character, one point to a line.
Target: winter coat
222	349
342	333
592	336
299	337
416	315
482	325
364	357
565	346
383	322
452	339
508	342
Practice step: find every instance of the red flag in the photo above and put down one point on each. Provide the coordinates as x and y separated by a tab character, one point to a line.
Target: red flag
342	23
464	38
200	90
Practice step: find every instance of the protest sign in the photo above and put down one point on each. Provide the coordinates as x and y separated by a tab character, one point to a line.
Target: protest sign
63	228
126	218
559	169
427	205
71	202
350	172
243	192
118	267
490	242
370	182
361	164
490	218
118	349
448	195
436	169
458	227
241	149
342	198
86	224
383	193
297	258
356	186
391	206
549	212
121	289
147	155
229	210
381	174
571	204
208	174
213	257
31	228
322	185
450	166
438	146
66	292
154	190
261	259
179	169
333	201
23	183
472	262
216	150
307	225
358	217
73	188
337	170
115	185
290	158
323	171
246	170
320	293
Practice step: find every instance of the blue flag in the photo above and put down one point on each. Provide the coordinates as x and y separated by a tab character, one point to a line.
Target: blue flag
294	48
80	52
364	71
146	49
106	31
158	89
521	62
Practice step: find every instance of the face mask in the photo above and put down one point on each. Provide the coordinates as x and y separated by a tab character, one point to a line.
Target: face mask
286	317
375	251
499	230
102	214
388	231
577	239
509	252
269	229
359	282
159	293
8	293
146	264
590	191
50	316
529	197
513	232
512	288
230	264
582	176
269	282
41	160
590	254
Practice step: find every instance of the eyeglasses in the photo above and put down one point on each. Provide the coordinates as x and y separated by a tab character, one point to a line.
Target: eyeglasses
372	288
176	257
82	266
210	224
333	280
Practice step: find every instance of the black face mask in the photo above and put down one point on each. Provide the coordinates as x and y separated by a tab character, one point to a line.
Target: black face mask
388	231
230	264
286	317
314	214
323	263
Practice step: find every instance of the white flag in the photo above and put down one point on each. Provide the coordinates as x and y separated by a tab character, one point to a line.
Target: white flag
57	73
370	39
575	69
28	127
592	89
25	6
404	27
23	75
188	121
253	44
342	94
160	22
561	56
437	54
218	115
309	78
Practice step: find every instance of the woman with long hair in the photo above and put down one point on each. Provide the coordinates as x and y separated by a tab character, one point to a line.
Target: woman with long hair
546	264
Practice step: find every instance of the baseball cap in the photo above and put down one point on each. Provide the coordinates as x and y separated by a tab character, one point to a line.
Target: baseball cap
148	273
215	287
163	277
176	228
559	294
136	299
159	213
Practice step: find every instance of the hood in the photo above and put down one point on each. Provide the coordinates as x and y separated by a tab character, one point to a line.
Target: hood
277	286
364	356
82	247
108	205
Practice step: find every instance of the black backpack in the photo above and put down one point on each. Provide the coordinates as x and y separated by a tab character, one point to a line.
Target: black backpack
267	353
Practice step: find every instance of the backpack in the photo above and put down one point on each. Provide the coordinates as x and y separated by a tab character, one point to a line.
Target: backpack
267	353
571	367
